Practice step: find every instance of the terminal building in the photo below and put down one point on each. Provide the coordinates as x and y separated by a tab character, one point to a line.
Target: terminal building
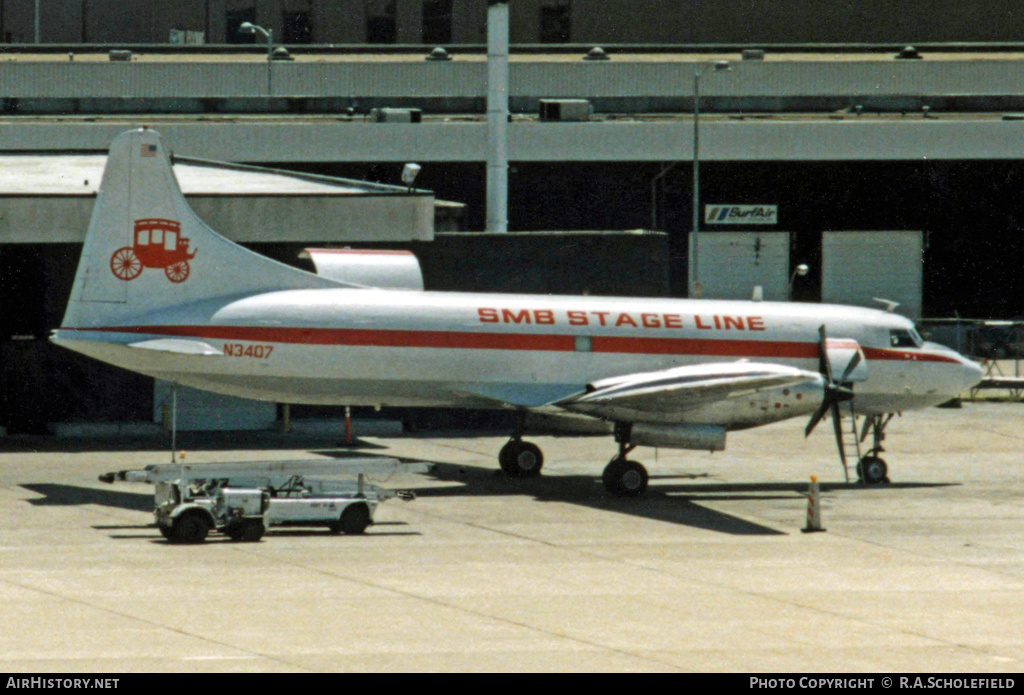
444	22
890	170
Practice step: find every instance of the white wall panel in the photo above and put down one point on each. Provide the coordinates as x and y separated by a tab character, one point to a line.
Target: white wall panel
732	263
856	267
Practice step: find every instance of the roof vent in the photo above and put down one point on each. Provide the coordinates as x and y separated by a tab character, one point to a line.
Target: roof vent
281	53
908	53
390	115
596	53
753	54
119	55
565	110
439	54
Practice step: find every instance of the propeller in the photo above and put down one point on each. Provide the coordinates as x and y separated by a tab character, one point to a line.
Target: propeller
835	391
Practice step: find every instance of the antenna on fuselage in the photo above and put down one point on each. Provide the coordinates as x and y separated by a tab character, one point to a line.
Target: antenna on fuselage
889	305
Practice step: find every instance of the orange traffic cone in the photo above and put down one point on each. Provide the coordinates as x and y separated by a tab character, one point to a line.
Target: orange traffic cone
813	508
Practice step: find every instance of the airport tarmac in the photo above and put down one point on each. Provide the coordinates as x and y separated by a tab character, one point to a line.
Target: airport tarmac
709	572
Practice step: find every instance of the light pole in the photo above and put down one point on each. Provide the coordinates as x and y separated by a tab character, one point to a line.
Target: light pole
250	28
719	66
800	271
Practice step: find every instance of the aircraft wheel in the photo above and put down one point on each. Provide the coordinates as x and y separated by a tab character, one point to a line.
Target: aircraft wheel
625	478
190	527
521	459
353	520
872	471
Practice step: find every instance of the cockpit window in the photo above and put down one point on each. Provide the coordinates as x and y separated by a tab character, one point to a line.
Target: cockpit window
905	338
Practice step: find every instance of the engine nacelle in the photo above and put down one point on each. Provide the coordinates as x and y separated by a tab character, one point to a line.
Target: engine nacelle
704	437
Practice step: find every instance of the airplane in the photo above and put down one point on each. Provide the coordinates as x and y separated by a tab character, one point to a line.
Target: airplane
160	293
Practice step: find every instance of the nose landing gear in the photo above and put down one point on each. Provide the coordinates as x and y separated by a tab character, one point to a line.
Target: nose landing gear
872	469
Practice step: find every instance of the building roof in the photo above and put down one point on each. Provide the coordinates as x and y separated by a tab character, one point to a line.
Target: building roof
80	174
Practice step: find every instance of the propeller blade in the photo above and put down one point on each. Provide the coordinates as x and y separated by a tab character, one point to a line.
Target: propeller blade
835	393
840	394
837	425
824	365
816	418
854	361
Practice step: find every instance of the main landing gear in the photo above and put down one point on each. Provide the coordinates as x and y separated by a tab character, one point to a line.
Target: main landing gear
621	477
519	459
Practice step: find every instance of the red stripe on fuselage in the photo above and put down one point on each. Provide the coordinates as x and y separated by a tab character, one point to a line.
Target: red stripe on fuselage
511	341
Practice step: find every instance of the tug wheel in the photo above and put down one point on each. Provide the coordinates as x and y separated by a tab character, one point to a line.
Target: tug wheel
190	527
353	521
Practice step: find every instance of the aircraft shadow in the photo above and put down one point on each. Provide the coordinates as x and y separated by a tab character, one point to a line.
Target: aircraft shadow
588	491
73	495
672	502
669	498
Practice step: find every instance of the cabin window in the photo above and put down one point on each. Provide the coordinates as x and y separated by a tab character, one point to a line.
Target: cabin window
904	338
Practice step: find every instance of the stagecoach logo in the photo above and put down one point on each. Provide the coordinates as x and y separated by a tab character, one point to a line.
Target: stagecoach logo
741	214
156	243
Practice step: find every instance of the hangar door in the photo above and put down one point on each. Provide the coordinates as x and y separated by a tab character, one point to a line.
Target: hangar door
857	267
732	263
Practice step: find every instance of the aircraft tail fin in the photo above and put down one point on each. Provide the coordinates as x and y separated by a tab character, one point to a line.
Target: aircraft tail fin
146	250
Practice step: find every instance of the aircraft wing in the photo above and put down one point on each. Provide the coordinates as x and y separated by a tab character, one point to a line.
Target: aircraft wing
683	388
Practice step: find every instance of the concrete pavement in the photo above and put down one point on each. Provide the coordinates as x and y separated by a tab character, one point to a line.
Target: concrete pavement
709	572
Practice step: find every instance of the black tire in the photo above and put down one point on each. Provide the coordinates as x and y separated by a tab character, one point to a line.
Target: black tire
353	521
521	459
248	531
872	471
625	478
165	532
190	527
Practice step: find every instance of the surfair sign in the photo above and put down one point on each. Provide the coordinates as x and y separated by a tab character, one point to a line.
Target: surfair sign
741	214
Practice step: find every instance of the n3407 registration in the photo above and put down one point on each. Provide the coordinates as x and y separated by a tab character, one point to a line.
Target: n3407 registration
259	352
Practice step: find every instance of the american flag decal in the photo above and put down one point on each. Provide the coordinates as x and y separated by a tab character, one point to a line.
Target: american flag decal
149	150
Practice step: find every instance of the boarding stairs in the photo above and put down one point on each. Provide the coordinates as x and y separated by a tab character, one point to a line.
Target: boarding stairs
848	439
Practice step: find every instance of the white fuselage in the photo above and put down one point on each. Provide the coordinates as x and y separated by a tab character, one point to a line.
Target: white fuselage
409	348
